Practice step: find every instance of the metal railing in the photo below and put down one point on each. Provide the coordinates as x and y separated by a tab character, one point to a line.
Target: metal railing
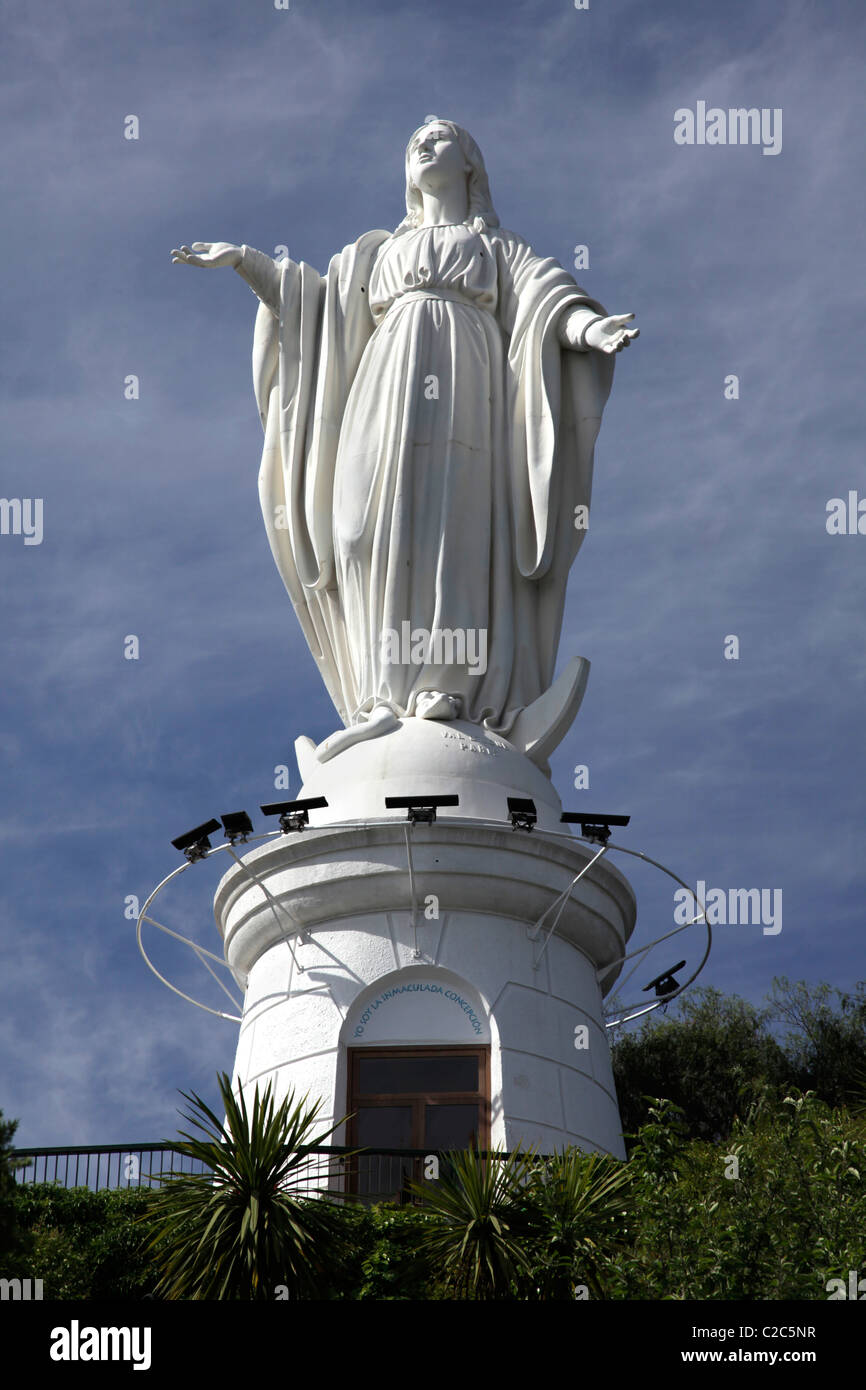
372	1175
99	1166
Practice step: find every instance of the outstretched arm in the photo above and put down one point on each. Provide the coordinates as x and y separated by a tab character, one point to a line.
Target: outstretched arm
261	273
580	329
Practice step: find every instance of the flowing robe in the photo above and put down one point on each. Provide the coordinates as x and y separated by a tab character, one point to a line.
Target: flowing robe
427	441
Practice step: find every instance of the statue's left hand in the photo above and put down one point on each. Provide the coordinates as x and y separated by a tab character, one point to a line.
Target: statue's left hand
610	334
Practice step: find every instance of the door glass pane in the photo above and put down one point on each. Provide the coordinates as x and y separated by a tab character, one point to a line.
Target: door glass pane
406	1075
450	1126
384	1126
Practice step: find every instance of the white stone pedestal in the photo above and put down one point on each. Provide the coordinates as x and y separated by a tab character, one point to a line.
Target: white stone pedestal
345	945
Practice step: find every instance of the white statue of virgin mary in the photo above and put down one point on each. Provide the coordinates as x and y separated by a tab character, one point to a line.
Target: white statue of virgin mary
430	408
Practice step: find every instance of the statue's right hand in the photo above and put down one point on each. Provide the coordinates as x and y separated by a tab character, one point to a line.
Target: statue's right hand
208	253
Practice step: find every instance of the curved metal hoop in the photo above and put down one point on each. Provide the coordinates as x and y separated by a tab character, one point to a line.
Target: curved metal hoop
199	951
626	1014
640	1008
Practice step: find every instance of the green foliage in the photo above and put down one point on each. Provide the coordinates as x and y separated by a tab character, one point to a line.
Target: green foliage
396	1267
739	1186
242	1229
826	1041
14	1242
86	1244
712	1059
794	1217
672	1223
478	1223
578	1204
717	1055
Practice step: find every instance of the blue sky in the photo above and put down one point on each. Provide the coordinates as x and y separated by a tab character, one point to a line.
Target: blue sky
271	127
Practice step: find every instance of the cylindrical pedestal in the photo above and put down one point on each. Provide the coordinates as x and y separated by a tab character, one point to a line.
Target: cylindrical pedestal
395	937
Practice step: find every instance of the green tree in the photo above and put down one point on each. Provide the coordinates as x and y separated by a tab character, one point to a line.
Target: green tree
826	1038
14	1241
247	1226
773	1213
87	1244
712	1058
716	1054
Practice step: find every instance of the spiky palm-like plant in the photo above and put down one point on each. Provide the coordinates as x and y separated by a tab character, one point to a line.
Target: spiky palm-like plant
247	1225
477	1240
579	1203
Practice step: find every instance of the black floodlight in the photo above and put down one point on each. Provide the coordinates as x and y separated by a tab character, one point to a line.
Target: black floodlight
420	808
237	826
522	812
665	983
294	815
195	843
593	827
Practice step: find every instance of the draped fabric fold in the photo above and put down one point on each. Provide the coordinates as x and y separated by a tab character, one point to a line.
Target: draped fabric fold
390	501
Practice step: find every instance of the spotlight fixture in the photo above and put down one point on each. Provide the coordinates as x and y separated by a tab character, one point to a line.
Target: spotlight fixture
294	815
522	812
195	844
237	826
420	808
665	983
595	828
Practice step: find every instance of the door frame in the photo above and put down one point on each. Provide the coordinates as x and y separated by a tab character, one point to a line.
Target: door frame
419	1099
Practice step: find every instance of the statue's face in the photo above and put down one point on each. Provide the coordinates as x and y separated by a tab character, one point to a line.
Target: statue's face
435	157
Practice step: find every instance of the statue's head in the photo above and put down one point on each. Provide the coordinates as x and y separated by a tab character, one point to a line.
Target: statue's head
464	159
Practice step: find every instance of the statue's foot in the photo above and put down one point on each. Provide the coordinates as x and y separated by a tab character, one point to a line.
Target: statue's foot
433	704
381	721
